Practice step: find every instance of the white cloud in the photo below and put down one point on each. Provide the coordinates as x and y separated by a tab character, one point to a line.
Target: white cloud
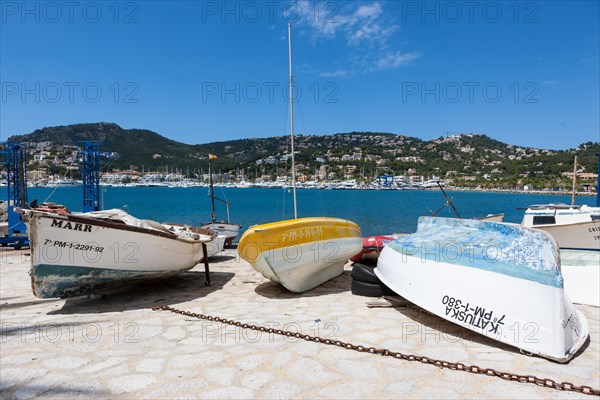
392	60
357	24
334	74
365	28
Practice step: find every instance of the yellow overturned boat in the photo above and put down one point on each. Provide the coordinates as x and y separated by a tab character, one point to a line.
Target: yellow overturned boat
301	253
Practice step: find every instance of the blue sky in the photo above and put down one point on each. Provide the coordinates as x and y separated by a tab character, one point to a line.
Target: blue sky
525	73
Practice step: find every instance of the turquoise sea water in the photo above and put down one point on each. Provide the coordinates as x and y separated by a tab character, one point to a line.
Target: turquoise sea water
376	212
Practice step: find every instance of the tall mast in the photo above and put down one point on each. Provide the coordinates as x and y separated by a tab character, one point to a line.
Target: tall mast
574	181
598	183
292	121
212	191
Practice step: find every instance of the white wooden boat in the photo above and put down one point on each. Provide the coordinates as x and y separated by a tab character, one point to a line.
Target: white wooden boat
301	253
573	226
77	254
502	281
581	271
231	231
223	228
213	248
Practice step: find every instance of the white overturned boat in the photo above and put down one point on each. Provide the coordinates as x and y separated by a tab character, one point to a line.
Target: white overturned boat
573	226
75	254
502	281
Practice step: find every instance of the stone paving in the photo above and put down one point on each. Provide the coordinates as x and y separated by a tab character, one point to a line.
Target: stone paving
116	346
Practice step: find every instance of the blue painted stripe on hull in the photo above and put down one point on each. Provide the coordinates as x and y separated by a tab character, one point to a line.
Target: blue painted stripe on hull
50	281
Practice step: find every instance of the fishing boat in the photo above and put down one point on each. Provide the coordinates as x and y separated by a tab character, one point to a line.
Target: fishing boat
300	253
226	228
500	280
573	226
213	248
75	254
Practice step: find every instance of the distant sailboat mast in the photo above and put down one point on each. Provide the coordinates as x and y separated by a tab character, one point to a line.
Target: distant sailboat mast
292	121
213	216
574	182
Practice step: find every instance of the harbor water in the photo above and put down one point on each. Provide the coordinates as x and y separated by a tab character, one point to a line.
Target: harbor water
375	211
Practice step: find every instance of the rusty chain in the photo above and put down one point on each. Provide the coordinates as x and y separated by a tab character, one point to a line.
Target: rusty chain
457	366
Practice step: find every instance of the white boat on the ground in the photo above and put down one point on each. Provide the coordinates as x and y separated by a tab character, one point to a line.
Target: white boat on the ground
573	226
581	271
76	254
223	228
226	228
213	248
502	281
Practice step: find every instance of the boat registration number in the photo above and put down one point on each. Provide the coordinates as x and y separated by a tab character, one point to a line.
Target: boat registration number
476	316
74	245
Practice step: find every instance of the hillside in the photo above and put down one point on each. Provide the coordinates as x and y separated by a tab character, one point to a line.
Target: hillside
464	158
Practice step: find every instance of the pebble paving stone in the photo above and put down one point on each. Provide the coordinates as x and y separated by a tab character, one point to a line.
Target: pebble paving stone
114	346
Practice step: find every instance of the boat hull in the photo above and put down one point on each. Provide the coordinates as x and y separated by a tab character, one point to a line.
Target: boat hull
572	226
215	246
580	236
533	316
301	254
73	255
230	231
581	270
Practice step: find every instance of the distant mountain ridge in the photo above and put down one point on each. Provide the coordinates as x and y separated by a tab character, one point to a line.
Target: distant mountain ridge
462	155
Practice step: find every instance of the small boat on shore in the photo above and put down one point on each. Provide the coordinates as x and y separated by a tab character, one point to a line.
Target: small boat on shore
76	254
214	247
226	228
502	281
301	253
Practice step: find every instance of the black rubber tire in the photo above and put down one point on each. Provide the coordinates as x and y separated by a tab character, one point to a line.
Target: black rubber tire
386	291
360	288
363	273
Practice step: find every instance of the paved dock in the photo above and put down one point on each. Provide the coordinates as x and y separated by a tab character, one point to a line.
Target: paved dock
116	346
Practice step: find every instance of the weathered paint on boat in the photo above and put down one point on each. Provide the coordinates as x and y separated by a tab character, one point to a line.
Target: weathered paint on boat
49	281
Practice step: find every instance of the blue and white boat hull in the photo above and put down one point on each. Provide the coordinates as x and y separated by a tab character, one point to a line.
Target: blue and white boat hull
502	281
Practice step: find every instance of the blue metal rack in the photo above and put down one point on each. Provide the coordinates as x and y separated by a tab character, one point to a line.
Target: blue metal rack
15	156
90	175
